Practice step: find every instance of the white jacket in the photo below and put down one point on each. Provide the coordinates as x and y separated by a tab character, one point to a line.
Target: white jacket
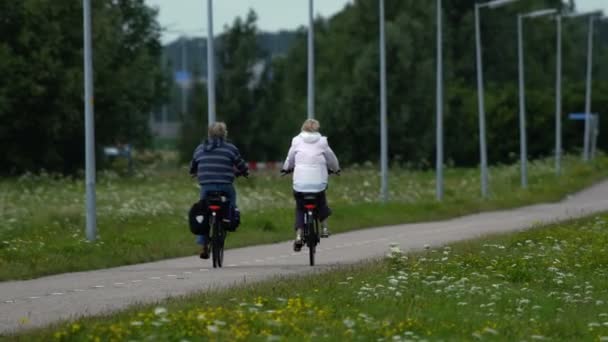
310	157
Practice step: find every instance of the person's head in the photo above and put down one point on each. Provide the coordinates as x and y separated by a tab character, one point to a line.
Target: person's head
311	126
217	130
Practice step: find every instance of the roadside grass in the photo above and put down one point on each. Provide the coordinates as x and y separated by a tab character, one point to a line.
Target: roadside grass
547	283
143	217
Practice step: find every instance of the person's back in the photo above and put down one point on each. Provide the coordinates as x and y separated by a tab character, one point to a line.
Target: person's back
214	162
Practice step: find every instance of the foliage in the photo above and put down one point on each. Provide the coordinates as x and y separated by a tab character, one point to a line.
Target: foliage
143	217
41	96
543	284
347	84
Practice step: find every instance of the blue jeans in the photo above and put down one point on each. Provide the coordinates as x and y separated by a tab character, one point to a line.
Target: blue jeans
206	188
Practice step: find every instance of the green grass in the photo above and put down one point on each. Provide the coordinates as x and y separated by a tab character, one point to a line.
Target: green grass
143	218
549	283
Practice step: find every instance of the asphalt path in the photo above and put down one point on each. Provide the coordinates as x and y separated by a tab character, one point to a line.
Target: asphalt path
43	301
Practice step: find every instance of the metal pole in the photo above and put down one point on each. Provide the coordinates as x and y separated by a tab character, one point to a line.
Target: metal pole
558	99
522	105
185	73
439	162
89	122
595	132
482	115
210	65
383	123
588	91
311	60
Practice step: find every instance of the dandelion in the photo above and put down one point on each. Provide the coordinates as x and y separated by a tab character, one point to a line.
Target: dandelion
490	331
137	323
160	311
349	323
538	337
213	329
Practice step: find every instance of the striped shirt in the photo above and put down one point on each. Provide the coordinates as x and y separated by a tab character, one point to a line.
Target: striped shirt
214	162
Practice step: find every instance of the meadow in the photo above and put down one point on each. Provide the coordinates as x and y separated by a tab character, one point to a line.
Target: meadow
544	284
142	217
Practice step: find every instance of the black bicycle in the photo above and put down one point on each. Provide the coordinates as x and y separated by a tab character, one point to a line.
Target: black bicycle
310	234
218	204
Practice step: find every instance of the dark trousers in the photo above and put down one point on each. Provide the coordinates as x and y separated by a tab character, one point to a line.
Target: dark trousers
323	211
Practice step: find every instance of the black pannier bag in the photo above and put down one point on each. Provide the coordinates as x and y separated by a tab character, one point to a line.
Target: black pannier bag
197	218
232	218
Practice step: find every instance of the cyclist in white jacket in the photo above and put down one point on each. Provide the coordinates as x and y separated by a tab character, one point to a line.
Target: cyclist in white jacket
310	158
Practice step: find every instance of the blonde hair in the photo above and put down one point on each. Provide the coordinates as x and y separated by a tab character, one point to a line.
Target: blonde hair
311	126
218	130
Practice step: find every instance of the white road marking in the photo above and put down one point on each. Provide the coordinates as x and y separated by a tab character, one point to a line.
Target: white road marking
98	286
34	297
9	301
118	284
78	290
56	293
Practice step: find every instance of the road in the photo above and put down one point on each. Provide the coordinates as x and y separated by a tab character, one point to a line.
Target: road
39	302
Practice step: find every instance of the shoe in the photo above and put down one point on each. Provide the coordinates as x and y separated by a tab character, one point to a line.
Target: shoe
205	251
325	232
298	243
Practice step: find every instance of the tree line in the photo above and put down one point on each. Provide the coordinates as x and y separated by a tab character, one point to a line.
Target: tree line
41	95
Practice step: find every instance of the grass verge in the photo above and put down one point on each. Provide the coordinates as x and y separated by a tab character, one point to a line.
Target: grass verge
548	283
143	218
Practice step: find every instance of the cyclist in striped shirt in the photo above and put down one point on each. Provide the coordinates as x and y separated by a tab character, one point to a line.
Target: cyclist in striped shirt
216	163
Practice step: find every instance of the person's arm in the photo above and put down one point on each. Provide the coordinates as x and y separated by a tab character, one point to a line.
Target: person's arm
240	163
194	165
290	161
330	157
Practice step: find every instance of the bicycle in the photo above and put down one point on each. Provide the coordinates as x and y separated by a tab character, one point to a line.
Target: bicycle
310	233
218	204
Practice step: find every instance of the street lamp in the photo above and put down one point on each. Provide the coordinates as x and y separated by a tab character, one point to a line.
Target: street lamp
311	60
383	123
439	98
210	65
591	17
522	91
89	123
480	93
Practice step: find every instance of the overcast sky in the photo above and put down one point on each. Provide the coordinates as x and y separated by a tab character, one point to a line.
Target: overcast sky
189	16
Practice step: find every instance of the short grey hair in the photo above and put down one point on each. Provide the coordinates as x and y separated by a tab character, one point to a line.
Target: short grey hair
218	130
311	126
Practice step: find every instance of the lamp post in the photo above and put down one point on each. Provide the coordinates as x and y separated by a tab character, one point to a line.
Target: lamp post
522	91
89	122
439	134
591	18
558	98
210	65
480	92
311	60
383	123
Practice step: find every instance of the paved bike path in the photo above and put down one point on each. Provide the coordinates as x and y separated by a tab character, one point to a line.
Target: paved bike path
39	302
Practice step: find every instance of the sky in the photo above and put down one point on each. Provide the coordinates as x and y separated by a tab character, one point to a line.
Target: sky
189	17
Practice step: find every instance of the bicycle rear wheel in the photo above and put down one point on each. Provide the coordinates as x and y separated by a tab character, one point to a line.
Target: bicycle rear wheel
217	244
311	240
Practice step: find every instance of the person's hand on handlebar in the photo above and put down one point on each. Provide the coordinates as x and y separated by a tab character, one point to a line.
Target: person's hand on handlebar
285	172
334	172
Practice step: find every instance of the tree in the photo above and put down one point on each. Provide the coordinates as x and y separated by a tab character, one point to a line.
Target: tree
41	88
